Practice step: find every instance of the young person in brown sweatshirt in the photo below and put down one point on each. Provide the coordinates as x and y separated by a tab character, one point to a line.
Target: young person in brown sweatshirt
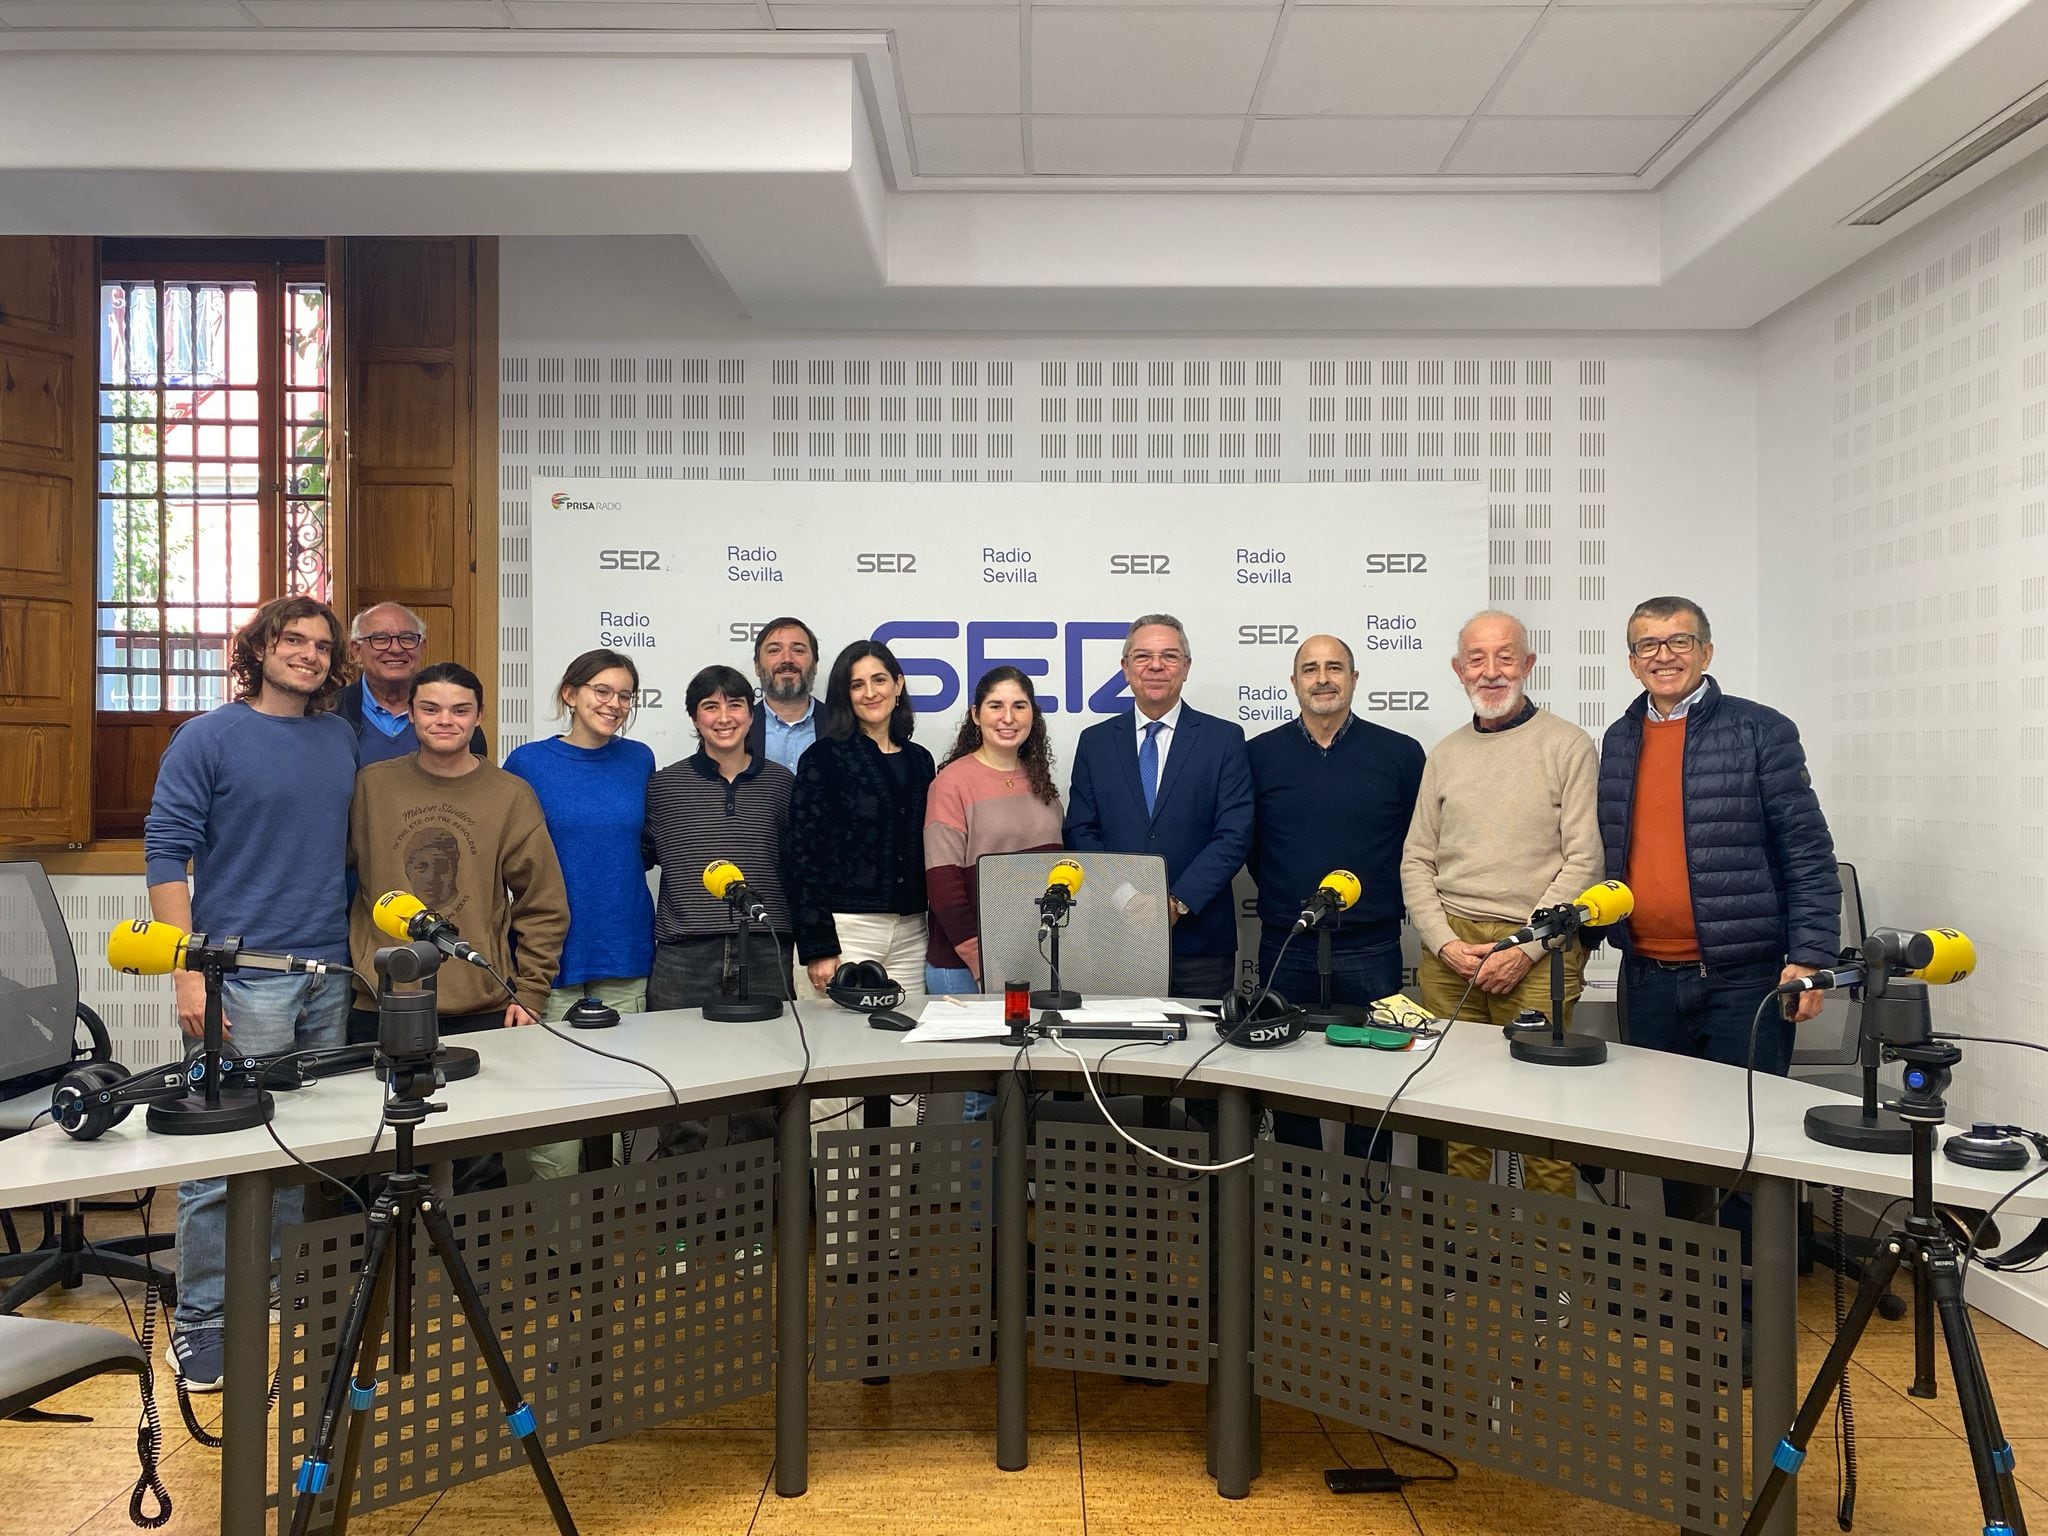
469	840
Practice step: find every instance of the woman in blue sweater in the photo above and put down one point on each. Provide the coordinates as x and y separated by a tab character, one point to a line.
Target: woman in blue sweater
592	786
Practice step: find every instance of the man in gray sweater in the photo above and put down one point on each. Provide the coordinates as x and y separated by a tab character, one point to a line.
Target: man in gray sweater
1505	822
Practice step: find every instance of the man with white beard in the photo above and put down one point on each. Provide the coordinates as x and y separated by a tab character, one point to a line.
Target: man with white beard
1505	823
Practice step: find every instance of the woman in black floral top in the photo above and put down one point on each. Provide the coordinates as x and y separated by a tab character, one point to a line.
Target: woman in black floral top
855	870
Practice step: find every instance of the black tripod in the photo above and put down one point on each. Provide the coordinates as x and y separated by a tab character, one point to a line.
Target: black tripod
1925	1243
407	1037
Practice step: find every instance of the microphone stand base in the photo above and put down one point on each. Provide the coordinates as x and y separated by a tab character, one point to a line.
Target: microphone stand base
1548	1050
743	1010
238	1110
1047	998
1848	1127
453	1062
1336	1013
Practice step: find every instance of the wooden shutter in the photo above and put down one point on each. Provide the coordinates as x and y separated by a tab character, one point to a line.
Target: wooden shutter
48	375
421	324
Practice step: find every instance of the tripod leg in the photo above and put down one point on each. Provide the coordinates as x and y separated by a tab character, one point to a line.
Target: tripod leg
1791	1451
1923	1333
1990	1452
362	1392
517	1411
313	1469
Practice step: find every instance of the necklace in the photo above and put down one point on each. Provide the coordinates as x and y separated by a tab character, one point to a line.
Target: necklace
1009	774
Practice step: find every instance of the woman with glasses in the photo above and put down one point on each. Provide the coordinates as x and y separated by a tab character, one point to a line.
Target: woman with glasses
592	786
387	646
856	833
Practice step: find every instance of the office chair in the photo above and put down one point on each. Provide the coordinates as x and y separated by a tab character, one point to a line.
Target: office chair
40	1017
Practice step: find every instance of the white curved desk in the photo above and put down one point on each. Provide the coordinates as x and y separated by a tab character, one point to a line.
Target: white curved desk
1641	1109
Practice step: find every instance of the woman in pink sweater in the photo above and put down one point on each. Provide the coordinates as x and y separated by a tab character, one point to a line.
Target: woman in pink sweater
993	795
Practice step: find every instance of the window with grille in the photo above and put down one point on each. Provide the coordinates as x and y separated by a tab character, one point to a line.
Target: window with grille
213	469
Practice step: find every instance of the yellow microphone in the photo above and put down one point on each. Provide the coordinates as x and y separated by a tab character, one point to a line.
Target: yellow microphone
1953	957
1597	906
722	878
408	919
1062	881
148	948
1339	892
1937	956
1065	877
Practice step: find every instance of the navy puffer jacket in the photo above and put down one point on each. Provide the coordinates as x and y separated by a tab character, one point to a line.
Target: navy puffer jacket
1757	848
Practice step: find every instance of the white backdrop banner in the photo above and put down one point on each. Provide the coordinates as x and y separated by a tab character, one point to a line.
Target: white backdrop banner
959	578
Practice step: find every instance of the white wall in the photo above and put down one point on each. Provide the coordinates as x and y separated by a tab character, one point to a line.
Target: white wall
1903	561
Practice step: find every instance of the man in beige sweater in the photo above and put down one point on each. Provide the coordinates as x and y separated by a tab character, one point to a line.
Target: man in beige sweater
1504	823
469	840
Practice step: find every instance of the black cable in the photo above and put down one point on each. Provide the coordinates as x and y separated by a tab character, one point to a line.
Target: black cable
584	1045
149	1428
2030	1045
1749	1104
1250	1018
271	1130
1437	1456
1373	1146
1989	1221
788	996
1845	1408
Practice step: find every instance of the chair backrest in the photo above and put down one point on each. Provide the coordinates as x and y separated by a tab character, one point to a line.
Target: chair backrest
38	980
1115	943
1830	1038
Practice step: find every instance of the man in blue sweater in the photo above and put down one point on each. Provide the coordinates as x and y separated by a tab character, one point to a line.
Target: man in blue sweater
1331	791
255	795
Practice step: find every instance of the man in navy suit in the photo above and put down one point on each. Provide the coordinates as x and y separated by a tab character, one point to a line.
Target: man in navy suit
1170	780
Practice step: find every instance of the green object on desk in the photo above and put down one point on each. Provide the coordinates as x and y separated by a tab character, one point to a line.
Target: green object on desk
1370	1037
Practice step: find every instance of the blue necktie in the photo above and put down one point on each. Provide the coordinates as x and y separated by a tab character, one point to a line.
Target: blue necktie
1148	763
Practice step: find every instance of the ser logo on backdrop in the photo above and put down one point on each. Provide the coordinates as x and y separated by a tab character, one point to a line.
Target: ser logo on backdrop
1397	563
885	563
1076	666
1269	634
1141	565
629	560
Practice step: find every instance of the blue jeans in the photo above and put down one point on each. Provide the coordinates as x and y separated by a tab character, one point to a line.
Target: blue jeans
1705	1012
268	1015
943	981
1359	974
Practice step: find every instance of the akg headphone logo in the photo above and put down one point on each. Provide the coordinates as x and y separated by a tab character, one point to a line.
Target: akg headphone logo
1266	1034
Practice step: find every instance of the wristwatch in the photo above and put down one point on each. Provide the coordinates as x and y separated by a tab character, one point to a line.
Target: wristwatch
1180	908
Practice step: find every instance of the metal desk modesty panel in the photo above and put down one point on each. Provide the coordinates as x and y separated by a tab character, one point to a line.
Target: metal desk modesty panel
1296	1285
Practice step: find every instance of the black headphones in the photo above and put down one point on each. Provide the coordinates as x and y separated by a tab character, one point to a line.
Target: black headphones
91	1100
1260	1021
2001	1147
863	986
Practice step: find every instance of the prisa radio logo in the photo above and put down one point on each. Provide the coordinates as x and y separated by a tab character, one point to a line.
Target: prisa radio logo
562	501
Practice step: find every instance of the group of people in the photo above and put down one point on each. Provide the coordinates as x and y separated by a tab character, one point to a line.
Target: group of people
345	768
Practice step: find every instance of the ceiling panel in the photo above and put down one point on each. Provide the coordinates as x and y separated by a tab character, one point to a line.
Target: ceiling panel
629	15
1350	146
953	60
1190	63
1643	63
379	13
1561	146
968	146
1368	60
1134	146
123	13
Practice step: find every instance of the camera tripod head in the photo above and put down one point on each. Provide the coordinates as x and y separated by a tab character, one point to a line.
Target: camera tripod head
1929	1064
409	1029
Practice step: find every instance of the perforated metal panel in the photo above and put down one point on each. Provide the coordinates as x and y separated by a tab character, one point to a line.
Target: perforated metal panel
1123	1254
623	1298
904	1280
1592	1348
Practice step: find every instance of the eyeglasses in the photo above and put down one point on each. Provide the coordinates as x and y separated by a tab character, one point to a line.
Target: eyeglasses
1146	658
393	640
1649	645
607	694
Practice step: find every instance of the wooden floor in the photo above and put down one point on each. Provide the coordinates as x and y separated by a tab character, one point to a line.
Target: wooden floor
1106	1457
